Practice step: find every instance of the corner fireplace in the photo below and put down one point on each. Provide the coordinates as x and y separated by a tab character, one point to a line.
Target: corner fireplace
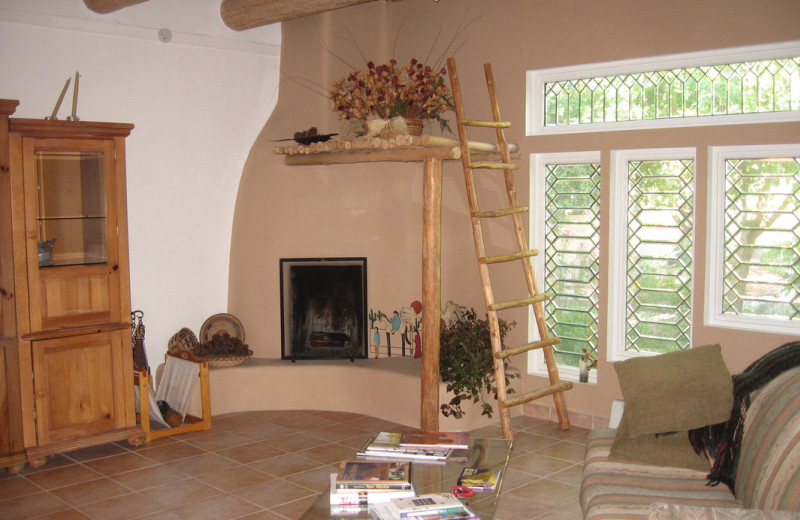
323	308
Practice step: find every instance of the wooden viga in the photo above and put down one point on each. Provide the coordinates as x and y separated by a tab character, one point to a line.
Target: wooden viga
472	163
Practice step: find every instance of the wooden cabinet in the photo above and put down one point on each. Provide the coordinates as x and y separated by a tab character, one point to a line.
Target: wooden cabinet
71	290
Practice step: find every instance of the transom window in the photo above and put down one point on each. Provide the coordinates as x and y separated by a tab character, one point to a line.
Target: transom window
715	87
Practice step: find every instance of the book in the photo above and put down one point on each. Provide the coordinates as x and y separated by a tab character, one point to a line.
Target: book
479	478
384	512
389	447
364	497
368	474
453	440
349	510
430	506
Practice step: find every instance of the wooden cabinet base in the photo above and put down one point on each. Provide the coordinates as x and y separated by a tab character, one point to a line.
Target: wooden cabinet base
14	463
37	454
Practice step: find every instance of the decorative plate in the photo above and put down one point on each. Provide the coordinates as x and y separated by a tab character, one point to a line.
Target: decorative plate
221	322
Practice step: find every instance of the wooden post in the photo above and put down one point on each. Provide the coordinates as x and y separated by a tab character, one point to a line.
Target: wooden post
431	292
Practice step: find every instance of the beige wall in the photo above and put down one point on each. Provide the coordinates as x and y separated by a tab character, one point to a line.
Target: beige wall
374	210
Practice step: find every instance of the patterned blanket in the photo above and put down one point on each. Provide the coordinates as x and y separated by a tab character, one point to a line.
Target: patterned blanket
721	442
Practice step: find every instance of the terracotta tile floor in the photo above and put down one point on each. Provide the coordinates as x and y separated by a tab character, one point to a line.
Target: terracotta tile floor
267	466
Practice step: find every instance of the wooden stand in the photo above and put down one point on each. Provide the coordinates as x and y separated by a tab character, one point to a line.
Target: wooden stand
191	423
431	151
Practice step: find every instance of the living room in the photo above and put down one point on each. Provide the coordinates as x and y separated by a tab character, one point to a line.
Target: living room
212	209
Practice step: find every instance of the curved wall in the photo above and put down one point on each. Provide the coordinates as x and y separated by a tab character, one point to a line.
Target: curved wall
374	210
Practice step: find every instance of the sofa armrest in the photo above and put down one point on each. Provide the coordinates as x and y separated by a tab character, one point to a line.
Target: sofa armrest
684	512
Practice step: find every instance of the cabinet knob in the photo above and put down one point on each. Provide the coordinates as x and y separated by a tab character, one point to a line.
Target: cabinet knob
42	393
32	234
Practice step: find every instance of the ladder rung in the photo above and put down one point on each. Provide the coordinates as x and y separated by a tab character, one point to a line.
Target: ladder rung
549	342
518	303
485	165
508	258
500	212
561	386
487	124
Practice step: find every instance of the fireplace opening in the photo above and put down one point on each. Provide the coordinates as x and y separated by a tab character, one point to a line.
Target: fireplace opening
323	308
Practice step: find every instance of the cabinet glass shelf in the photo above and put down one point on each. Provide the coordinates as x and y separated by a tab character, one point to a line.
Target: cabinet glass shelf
71	213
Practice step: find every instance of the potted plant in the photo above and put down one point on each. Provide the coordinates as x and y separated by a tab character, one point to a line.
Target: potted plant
587	363
466	363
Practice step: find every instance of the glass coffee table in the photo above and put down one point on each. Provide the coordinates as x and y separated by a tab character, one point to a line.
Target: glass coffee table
437	478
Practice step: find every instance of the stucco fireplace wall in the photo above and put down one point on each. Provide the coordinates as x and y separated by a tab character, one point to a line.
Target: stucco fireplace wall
374	210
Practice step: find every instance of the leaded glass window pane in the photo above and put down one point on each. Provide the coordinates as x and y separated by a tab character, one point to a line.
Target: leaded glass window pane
659	264
762	238
572	259
750	87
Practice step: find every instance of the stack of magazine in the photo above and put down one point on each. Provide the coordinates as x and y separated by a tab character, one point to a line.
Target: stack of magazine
360	483
434	506
418	446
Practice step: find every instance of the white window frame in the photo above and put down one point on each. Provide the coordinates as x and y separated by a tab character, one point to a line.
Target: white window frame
715	257
618	241
537	219
536	80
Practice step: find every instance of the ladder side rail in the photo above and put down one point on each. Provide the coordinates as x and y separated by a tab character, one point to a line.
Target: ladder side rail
541	322
492	318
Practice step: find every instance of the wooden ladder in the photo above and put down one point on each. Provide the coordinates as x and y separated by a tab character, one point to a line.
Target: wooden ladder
522	254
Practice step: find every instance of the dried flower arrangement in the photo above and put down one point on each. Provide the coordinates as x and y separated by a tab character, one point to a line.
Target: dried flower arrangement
414	91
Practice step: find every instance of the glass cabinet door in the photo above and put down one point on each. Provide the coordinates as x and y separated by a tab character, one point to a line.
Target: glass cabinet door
71	213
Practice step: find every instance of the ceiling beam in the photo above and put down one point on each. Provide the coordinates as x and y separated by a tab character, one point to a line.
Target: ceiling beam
246	14
109	6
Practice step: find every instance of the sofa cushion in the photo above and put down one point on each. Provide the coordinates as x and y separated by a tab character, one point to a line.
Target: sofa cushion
663	450
619	490
768	475
675	392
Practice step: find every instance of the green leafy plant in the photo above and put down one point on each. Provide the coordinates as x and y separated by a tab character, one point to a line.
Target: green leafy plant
466	363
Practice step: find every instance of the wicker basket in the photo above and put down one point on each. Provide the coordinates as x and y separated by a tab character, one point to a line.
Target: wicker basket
184	339
226	361
414	126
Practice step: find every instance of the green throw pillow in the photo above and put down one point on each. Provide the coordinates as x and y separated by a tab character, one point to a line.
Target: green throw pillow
674	392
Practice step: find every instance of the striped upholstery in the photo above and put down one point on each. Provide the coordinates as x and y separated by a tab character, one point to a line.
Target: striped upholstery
768	476
769	463
618	490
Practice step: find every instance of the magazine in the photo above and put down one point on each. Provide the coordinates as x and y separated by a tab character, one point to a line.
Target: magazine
421	505
453	440
376	447
480	478
435	506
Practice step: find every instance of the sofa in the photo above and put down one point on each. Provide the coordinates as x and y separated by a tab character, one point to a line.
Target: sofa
647	483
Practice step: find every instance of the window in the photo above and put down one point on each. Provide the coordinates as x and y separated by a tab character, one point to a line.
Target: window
754	253
650	256
741	85
565	197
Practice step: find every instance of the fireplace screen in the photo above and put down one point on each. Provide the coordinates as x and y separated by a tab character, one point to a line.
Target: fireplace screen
323	308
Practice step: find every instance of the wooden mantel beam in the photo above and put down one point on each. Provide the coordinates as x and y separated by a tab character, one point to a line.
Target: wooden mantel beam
246	14
109	6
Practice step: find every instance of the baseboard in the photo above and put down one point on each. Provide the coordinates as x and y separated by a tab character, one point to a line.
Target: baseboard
577	419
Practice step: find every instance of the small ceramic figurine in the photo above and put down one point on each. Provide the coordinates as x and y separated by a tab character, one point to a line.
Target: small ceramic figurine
46	252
